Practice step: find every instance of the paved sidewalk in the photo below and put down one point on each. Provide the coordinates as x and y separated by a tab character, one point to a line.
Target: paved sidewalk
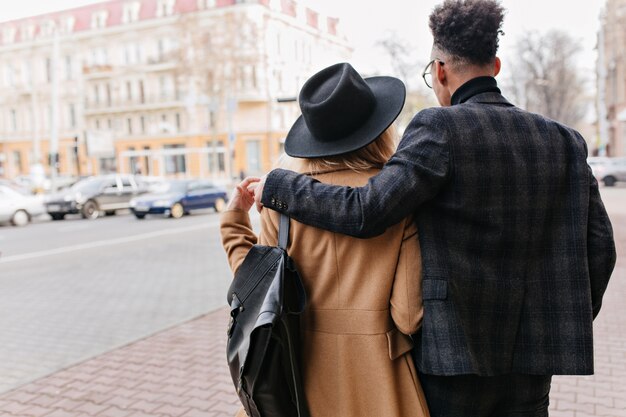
181	371
177	372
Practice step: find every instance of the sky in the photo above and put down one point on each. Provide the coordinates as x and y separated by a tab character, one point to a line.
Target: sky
366	22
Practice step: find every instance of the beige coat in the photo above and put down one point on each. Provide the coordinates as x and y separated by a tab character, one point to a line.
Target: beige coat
360	292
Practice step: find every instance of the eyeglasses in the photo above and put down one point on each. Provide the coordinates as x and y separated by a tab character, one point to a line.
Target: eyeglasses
427	75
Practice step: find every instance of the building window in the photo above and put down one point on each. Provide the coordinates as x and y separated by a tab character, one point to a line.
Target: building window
129	91
146	160
68	68
27	73
9	75
163	86
72	115
142	121
49	70
217	156
132	53
96	93
8	34
99	57
175	162
99	19
165	7
253	156
107	165
130	12
206	4
108	92
129	126
97	124
133	164
142	94
13	119
17	161
28	32
47	28
68	24
276	5
178	122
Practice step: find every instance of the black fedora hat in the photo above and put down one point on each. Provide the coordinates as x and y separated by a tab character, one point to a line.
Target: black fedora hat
342	112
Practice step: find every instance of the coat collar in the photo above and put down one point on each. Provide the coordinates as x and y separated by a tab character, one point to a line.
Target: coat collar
489	98
479	90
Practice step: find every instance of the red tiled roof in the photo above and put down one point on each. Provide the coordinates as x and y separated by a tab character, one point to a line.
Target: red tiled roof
114	8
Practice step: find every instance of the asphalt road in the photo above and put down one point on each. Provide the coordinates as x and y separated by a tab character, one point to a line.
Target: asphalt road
74	289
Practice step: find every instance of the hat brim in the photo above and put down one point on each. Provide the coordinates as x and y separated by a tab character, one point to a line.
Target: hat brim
390	95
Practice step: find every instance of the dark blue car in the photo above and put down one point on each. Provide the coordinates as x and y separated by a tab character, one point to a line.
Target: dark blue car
178	197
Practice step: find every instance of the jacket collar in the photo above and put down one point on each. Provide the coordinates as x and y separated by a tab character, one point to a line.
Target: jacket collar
489	98
479	90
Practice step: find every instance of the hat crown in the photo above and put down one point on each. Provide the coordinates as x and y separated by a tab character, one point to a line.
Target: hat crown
335	102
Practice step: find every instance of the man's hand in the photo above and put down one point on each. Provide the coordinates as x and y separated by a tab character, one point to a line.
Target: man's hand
243	195
258	193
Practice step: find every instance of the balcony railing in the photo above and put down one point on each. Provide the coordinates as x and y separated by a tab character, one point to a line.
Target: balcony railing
148	100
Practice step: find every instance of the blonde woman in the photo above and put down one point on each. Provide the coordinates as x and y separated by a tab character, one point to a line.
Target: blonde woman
364	294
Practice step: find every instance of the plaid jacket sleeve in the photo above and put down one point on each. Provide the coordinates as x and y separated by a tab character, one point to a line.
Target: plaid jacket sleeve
412	176
601	253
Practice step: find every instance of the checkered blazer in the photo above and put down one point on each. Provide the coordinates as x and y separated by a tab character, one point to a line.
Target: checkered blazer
516	244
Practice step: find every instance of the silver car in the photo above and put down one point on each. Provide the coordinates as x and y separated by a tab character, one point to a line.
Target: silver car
94	195
18	208
608	170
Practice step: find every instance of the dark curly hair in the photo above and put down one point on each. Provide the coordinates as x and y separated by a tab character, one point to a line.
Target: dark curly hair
468	29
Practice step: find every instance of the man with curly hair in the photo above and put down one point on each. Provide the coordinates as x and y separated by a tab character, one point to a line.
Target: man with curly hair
517	247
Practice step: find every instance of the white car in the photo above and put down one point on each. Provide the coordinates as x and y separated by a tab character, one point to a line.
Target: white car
18	208
608	170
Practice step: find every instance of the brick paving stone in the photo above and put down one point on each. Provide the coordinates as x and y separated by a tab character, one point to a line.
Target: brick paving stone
36	411
115	412
145	406
172	411
67	404
65	413
90	408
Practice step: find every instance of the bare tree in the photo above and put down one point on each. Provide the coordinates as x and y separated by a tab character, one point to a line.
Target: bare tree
546	79
214	57
407	68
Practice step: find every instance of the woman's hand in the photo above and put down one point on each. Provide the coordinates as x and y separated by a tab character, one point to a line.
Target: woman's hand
243	195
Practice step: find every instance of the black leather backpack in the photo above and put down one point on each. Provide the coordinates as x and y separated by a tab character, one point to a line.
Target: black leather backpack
266	299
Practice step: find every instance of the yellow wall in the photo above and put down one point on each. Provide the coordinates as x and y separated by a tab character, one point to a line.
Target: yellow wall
196	164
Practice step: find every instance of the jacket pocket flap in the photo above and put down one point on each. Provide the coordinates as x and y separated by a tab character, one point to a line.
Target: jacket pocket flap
434	289
399	344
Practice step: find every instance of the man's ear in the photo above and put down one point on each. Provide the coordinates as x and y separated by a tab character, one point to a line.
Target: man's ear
440	72
497	65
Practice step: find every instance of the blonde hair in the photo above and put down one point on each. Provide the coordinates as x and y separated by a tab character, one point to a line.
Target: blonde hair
374	155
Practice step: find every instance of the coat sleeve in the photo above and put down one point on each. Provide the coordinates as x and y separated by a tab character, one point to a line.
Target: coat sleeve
601	255
269	229
237	236
415	174
406	295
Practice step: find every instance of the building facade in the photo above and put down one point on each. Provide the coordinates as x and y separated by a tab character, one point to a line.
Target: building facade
611	73
179	88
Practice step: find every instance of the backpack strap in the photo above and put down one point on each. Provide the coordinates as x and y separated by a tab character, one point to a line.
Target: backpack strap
283	231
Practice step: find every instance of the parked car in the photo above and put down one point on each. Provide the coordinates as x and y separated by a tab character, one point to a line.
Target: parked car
608	170
94	195
19	208
178	197
15	186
